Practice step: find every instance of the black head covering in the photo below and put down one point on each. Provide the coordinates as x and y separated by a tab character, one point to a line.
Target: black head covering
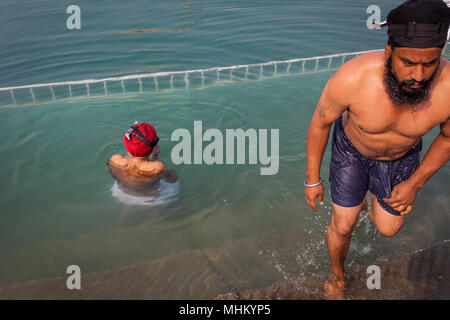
419	24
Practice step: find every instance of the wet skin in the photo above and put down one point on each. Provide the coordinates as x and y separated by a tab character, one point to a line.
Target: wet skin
382	129
377	127
139	175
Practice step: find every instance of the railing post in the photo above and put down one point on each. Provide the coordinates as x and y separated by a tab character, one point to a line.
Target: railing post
53	93
12	96
156	84
32	95
186	81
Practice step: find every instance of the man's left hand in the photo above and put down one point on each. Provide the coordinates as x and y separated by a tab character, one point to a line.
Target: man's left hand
402	197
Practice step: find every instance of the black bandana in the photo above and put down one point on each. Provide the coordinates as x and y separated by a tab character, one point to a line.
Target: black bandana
419	24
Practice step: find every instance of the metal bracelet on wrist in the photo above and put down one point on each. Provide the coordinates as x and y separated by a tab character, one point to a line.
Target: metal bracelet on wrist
314	184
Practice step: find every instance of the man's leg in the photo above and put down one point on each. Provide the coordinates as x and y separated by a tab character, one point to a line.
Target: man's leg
387	224
339	232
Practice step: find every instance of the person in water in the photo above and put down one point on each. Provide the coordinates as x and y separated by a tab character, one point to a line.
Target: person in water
138	172
381	104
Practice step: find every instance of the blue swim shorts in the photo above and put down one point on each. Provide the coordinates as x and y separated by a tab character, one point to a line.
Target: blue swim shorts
352	174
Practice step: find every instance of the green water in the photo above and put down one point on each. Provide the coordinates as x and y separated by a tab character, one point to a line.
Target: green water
37	47
57	206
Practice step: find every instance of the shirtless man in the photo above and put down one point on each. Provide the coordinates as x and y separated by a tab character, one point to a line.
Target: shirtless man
138	172
381	104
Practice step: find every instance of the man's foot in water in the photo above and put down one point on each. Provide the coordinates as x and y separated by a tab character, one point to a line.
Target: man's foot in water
334	287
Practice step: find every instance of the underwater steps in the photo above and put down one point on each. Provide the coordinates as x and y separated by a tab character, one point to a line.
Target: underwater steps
194	274
188	274
423	275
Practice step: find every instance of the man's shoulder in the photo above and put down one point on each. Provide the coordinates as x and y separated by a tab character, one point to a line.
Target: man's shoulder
361	64
151	168
118	160
442	87
354	71
354	75
445	75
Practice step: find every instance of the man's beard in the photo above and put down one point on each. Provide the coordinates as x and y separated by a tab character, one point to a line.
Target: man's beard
400	92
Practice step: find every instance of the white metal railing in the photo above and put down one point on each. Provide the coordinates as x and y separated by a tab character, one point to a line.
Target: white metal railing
168	81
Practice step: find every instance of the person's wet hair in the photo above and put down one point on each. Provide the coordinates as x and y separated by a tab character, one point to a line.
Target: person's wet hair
400	92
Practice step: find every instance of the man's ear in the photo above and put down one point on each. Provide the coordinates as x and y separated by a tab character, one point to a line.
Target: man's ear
387	51
154	153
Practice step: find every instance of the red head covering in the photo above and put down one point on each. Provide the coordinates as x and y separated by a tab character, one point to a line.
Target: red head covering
137	147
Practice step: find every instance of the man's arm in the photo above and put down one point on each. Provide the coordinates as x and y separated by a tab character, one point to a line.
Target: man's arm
332	103
151	168
436	157
404	194
170	176
335	99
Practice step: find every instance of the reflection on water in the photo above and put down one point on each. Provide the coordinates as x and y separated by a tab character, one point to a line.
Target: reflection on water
144	70
193	10
179	102
139	50
148	31
162	193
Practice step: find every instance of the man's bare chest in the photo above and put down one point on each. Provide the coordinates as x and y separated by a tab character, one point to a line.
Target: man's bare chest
378	116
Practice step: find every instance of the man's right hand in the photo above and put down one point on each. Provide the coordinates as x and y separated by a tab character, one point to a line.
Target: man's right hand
311	193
